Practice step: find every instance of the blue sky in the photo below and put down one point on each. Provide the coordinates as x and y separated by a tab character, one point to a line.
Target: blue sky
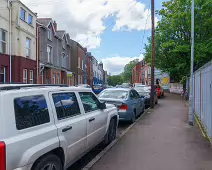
87	22
123	43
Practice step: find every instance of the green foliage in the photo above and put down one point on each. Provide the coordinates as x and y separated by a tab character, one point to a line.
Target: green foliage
114	80
127	74
173	33
125	77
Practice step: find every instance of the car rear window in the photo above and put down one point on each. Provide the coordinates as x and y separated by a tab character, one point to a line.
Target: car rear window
31	111
114	94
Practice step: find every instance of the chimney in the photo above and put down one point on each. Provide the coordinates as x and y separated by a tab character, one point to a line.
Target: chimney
55	25
85	49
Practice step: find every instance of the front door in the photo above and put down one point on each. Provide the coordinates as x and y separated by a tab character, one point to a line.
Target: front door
71	124
96	118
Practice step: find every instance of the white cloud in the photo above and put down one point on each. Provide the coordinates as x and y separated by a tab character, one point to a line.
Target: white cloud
115	65
84	19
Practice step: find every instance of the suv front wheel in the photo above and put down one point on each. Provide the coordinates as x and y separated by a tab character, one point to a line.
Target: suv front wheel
111	133
49	162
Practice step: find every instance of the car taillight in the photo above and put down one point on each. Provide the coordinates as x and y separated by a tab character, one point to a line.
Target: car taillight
123	107
2	156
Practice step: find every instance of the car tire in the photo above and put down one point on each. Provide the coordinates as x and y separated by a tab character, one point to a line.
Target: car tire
111	133
47	161
156	102
133	118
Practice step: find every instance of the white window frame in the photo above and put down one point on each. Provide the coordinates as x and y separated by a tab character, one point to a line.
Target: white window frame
82	64
58	78
49	56
25	74
28	19
63	59
49	32
79	62
4	73
64	44
24	19
3	41
31	77
54	78
28	48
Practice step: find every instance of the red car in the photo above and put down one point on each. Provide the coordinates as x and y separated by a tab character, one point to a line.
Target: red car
160	91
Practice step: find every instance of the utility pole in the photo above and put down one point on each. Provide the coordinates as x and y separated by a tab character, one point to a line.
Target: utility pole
152	104
191	96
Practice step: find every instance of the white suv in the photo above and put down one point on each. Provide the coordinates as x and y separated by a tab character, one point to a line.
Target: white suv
50	128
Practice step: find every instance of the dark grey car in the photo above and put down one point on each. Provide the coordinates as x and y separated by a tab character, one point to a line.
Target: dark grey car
145	93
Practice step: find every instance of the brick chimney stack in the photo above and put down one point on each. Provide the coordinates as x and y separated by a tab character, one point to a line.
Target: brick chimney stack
55	25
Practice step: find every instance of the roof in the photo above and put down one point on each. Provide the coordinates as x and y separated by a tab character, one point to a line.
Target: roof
44	21
60	33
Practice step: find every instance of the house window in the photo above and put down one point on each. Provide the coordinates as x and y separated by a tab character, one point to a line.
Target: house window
30	18
2	41
3	75
54	78
23	14
78	62
64	47
49	53
49	34
28	42
63	60
31	77
82	65
24	75
58	78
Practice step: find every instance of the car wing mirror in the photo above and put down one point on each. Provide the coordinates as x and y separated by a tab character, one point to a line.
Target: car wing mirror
102	105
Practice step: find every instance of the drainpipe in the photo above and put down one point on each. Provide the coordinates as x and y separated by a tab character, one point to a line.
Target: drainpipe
37	53
10	37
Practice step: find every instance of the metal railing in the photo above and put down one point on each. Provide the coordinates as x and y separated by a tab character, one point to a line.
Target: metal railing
203	96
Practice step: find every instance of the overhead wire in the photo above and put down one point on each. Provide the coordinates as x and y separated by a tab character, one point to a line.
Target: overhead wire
148	15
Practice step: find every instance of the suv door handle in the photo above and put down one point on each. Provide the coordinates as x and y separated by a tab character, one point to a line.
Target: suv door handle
67	129
91	119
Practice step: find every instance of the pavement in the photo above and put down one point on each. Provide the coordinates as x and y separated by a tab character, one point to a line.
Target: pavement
161	140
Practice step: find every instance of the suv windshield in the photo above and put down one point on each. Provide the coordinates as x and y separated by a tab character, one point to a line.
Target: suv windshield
120	94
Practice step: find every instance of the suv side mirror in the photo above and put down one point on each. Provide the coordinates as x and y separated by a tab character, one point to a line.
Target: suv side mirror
102	105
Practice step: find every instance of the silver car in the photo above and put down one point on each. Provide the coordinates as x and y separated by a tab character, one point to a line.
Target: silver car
49	128
130	105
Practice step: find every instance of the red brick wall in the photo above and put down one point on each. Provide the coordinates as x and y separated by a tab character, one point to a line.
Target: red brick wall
18	64
136	73
5	62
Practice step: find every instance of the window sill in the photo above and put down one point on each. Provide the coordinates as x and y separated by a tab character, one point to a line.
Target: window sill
27	23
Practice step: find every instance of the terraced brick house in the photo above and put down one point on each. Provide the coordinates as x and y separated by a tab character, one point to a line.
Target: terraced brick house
54	52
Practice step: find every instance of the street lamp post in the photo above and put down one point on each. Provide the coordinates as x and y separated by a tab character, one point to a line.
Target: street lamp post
191	97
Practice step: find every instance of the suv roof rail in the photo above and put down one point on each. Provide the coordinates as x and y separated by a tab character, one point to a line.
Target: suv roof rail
20	86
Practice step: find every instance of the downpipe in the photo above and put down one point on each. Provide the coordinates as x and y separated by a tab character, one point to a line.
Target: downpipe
9	6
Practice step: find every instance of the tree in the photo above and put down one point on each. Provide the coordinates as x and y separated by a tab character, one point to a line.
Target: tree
172	37
115	80
127	74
